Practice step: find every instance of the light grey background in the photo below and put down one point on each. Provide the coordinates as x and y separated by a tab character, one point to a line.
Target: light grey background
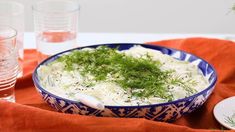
151	16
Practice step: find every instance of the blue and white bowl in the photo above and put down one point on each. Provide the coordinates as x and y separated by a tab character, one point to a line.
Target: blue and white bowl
169	111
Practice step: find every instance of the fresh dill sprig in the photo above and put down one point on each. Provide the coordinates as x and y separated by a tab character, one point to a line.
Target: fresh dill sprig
230	120
141	76
185	84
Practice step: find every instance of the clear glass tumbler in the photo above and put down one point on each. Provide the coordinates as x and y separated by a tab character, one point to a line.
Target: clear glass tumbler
9	67
55	25
12	14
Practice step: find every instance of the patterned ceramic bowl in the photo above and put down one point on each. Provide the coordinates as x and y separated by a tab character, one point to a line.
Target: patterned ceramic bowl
169	111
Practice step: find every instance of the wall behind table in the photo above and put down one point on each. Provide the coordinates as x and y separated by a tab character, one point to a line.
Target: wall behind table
151	16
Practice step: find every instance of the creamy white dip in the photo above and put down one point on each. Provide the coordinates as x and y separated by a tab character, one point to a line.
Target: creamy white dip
55	79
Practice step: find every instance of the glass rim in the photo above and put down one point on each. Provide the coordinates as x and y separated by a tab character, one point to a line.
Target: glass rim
35	8
8	28
15	12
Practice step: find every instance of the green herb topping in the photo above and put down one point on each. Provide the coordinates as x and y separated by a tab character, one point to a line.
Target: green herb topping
140	76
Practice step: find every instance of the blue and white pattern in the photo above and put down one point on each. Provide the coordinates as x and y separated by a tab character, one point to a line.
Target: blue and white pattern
169	111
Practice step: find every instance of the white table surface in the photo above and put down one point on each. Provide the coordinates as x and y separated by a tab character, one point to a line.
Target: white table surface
85	39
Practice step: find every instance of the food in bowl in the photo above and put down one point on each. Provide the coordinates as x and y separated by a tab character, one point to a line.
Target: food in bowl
137	76
168	111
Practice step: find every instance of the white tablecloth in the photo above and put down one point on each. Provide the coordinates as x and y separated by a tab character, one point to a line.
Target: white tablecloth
85	39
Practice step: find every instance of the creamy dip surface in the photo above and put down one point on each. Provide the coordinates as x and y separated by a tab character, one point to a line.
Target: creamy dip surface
66	83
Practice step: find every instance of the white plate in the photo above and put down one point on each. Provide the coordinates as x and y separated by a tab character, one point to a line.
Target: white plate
224	112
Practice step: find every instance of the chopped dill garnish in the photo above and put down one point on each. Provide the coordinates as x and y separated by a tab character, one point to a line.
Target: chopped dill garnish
141	76
184	84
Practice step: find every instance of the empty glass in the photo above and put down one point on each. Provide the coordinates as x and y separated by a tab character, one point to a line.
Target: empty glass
12	14
8	63
55	25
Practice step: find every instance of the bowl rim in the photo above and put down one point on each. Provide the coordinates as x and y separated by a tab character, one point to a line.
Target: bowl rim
38	86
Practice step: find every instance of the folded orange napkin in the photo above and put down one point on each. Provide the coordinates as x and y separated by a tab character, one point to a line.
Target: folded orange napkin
30	113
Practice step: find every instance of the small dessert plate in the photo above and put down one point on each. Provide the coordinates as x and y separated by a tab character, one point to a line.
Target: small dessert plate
224	112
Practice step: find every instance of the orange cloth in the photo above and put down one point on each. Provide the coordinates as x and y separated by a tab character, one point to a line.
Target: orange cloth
30	113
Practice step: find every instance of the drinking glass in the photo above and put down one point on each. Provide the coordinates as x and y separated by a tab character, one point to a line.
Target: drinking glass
55	26
12	14
9	67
